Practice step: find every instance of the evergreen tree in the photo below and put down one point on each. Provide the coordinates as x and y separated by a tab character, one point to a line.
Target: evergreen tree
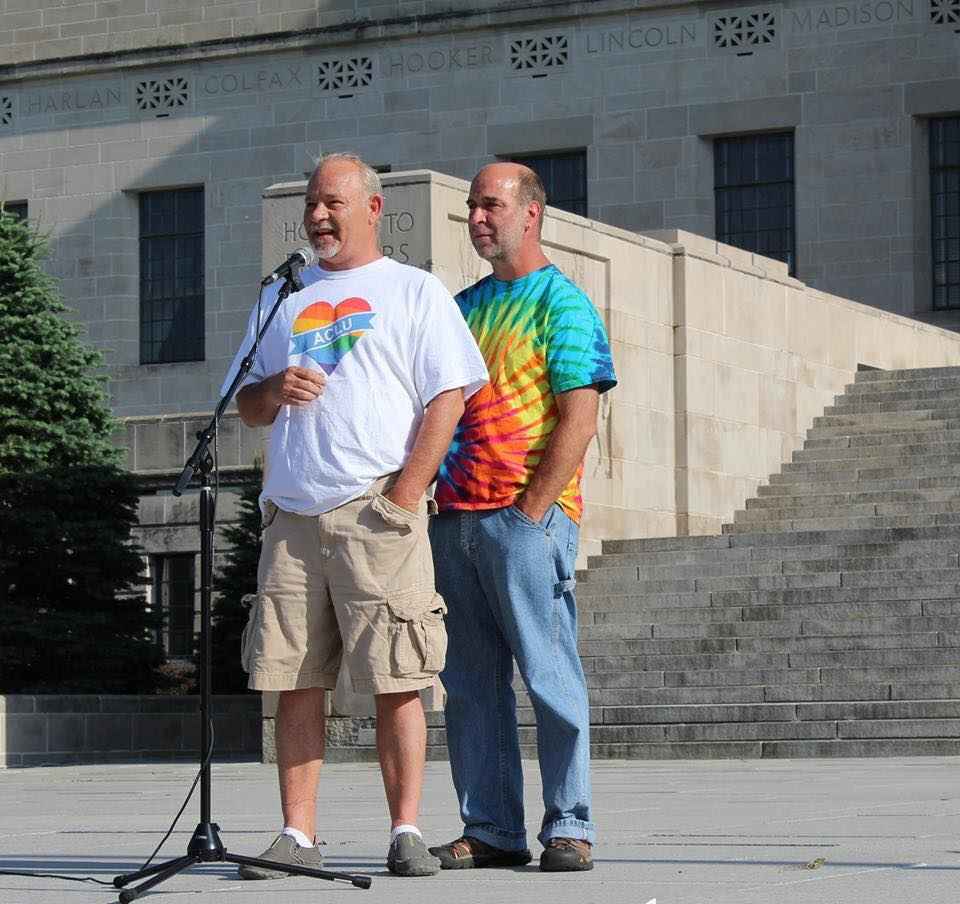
236	579
73	612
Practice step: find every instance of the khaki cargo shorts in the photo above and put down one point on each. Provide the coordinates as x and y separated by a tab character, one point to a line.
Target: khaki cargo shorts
354	584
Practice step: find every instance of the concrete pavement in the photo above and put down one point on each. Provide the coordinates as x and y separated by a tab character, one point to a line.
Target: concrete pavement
881	831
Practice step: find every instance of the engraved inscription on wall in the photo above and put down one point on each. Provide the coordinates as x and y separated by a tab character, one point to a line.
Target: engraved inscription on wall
252	80
663	35
70	100
438	59
866	13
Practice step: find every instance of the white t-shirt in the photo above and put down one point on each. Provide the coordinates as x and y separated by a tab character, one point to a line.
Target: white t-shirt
389	338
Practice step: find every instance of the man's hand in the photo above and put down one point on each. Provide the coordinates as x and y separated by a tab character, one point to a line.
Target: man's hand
533	510
405	502
295	386
259	403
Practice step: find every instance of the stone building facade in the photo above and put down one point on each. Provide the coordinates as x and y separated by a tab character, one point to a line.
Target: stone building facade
141	134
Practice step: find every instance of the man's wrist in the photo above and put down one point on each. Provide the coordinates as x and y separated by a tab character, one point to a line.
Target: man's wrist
404	497
533	509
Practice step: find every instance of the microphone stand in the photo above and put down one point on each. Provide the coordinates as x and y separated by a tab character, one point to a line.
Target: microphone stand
205	846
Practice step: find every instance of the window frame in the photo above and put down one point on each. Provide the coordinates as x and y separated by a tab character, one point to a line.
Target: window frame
183	240
530	160
19	209
162	582
939	166
723	189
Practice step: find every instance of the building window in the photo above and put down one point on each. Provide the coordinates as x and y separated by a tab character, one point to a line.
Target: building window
174	592
16	208
754	191
564	176
945	207
171	276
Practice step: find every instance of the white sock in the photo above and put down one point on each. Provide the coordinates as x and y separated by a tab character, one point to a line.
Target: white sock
404	828
298	836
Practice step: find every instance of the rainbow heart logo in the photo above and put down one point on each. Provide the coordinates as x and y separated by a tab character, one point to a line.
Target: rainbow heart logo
326	333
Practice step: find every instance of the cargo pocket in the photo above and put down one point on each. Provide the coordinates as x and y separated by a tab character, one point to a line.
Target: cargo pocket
399	556
418	636
248	639
395	515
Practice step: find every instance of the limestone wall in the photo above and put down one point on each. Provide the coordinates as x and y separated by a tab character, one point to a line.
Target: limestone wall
57	729
758	356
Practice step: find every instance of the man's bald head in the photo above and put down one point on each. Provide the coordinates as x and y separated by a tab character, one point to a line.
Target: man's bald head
521	180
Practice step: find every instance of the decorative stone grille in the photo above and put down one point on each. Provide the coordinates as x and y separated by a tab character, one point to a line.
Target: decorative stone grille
736	31
160	96
345	74
538	55
945	12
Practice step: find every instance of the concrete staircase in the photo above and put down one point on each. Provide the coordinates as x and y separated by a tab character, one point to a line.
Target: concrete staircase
824	621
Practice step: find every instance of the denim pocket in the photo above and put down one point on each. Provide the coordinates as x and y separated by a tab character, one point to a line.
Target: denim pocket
528	521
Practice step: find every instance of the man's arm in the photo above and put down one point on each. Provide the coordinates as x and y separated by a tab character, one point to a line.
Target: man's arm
576	426
433	439
259	403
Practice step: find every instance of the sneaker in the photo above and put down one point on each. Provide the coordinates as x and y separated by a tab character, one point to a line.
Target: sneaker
408	856
563	855
284	849
472	853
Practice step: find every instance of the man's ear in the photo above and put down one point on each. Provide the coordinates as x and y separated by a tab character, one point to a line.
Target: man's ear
375	207
534	212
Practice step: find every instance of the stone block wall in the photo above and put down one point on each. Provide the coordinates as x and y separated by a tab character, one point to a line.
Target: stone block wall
643	92
58	729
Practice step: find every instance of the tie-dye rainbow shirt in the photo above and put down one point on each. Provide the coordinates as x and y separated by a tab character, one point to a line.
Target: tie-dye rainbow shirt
539	336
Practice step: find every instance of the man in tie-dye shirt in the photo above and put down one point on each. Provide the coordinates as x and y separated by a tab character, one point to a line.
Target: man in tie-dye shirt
505	541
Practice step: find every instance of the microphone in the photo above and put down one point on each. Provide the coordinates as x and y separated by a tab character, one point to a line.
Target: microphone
291	267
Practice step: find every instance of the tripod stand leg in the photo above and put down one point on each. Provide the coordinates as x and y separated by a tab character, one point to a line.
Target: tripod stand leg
356	881
127	878
171	868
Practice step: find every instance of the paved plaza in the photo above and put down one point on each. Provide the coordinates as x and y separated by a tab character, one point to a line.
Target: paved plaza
881	831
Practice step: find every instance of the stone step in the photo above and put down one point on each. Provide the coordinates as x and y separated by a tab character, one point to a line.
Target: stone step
788	579
730	677
881	455
854	496
906	375
834	425
628	572
867	441
828	481
919	549
822	605
812	626
790	510
738	662
802	474
882	421
839	643
759	539
846	522
716	645
937	406
730	662
947	389
778	749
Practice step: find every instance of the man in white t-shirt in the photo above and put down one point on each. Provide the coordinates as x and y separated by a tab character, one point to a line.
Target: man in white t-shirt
362	377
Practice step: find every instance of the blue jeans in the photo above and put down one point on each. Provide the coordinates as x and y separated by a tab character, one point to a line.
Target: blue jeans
508	583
